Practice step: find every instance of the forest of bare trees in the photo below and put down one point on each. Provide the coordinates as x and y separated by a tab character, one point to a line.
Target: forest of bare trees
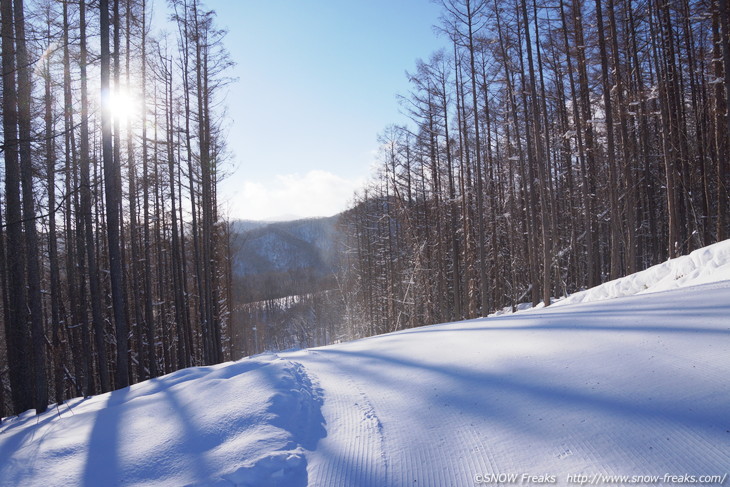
555	145
113	257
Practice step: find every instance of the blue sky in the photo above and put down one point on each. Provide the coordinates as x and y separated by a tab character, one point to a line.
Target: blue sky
317	82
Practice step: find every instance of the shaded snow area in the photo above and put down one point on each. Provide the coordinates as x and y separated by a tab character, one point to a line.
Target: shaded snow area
243	423
626	391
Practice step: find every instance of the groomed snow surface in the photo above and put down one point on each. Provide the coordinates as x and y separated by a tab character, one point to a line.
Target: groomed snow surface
633	390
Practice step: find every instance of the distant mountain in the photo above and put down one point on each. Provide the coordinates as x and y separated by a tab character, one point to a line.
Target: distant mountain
242	226
272	260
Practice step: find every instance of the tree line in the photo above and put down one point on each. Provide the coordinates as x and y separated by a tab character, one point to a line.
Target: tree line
114	260
555	144
292	322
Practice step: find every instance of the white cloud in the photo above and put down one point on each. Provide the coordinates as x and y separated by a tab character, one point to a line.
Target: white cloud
287	196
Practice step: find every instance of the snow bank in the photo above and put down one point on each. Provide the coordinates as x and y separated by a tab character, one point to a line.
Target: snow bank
706	265
246	423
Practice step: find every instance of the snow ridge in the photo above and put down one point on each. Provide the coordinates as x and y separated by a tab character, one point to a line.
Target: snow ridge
708	264
246	423
296	408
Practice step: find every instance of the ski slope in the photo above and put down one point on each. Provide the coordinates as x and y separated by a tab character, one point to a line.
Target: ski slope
632	390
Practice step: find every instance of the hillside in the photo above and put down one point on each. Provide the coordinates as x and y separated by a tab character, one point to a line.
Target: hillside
622	391
272	260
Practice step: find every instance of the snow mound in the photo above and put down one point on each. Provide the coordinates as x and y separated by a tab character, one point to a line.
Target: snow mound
245	423
705	265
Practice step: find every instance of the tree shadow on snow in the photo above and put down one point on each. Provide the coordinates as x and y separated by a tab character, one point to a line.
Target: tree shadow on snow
102	464
197	430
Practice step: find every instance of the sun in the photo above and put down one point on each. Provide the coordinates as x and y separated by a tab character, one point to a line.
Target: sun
122	105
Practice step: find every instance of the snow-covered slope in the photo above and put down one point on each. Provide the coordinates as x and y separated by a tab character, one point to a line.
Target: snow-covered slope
632	386
708	264
231	424
705	265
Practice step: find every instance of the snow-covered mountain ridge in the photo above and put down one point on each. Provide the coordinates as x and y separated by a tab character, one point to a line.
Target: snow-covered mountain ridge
624	391
279	259
284	246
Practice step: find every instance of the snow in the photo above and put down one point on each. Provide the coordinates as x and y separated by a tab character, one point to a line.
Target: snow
705	265
187	428
708	264
636	385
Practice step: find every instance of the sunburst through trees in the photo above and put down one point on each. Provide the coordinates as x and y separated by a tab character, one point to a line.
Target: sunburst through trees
112	147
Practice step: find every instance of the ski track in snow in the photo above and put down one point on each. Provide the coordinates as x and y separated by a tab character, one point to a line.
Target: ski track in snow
592	389
355	455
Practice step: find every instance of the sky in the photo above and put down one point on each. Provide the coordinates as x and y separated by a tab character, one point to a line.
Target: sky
317	81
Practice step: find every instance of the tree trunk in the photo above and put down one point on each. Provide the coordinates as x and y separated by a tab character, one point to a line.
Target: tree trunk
58	349
112	194
16	329
723	171
31	238
147	270
610	150
87	214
